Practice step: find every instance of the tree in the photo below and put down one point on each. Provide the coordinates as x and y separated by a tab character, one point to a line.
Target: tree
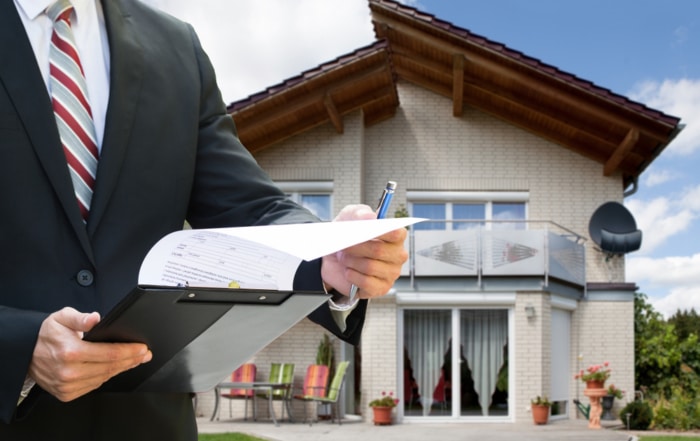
657	350
667	363
686	323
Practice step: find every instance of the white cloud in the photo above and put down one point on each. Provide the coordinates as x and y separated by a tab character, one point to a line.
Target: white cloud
671	272
676	278
652	178
679	98
683	298
672	282
691	199
661	218
254	44
681	33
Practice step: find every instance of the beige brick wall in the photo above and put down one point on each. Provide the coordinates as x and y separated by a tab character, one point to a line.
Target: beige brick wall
604	331
379	351
322	154
533	352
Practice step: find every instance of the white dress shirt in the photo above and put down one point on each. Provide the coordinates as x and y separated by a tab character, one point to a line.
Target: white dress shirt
90	35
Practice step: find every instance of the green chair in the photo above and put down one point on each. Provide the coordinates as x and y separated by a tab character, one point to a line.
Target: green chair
280	374
334	390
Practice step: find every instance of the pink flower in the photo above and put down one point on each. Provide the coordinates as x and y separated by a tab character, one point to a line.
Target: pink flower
595	372
386	400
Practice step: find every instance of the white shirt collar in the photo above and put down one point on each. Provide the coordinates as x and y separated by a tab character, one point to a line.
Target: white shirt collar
34	8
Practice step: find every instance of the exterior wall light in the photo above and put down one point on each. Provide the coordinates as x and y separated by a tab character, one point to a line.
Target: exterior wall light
529	311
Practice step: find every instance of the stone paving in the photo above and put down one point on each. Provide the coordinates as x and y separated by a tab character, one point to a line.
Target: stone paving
357	430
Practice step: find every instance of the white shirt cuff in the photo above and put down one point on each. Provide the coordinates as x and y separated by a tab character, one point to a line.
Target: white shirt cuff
341	306
26	388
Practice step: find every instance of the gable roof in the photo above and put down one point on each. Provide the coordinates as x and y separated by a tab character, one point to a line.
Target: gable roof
472	70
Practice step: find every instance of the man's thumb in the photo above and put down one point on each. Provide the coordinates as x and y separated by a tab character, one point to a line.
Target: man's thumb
77	321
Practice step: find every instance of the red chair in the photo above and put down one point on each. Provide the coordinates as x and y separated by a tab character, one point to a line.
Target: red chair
315	384
315	381
244	374
333	392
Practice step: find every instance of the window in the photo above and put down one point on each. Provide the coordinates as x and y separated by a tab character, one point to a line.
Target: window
501	211
440	343
465	209
316	196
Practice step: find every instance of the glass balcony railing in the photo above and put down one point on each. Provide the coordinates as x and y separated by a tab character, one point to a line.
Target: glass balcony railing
496	249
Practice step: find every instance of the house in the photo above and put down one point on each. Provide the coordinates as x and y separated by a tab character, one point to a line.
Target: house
509	157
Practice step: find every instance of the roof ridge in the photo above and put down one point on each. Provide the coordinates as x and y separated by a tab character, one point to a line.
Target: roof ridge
521	57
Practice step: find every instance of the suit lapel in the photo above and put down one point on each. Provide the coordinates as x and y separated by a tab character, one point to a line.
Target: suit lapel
126	73
21	78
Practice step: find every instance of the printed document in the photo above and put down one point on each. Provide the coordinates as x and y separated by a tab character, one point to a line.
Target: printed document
260	257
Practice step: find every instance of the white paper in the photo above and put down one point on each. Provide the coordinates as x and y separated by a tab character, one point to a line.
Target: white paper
261	257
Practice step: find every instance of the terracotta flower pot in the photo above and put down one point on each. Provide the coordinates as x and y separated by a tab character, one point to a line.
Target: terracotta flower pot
382	415
540	414
595	384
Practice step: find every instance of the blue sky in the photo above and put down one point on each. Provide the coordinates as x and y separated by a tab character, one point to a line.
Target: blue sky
646	50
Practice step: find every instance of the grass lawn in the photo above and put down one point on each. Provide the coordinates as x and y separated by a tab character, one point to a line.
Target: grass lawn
227	437
669	438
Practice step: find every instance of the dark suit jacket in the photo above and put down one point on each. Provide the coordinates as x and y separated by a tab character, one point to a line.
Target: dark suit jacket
170	153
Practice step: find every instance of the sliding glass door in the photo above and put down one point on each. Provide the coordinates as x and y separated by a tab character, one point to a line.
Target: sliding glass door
455	362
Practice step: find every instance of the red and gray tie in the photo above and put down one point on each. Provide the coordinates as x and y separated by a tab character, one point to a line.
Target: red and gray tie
71	106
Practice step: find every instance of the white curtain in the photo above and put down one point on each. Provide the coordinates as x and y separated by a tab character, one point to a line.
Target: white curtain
483	335
426	335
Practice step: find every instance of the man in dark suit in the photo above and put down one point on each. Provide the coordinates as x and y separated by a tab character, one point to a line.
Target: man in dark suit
168	153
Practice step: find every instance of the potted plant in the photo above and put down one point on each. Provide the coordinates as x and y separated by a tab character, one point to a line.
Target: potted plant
382	408
540	409
609	400
595	375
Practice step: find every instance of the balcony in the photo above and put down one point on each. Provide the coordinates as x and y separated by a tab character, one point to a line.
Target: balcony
484	250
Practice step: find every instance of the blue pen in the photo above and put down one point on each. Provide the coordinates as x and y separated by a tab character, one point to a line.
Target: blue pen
382	207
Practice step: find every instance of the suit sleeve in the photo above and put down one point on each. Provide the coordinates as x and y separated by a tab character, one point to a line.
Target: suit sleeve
230	189
308	278
18	333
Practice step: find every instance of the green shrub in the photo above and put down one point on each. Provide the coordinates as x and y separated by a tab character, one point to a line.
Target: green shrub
667	416
680	411
641	415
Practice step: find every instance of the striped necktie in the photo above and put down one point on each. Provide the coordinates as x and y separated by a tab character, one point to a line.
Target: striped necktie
71	107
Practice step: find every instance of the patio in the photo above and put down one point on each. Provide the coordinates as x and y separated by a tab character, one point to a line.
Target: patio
355	429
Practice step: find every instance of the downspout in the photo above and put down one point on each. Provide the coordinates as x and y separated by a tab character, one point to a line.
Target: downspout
633	190
671	137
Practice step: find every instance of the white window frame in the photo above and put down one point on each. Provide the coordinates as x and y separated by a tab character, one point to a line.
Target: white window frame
449	198
296	189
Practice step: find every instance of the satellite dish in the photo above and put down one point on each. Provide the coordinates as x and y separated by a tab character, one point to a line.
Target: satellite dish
613	229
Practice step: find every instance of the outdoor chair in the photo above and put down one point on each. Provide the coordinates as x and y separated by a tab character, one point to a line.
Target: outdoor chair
280	373
315	384
333	393
244	374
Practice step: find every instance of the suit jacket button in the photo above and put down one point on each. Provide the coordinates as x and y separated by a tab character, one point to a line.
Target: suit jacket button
85	278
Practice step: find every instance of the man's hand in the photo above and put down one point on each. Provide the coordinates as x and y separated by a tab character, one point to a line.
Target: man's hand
373	266
67	367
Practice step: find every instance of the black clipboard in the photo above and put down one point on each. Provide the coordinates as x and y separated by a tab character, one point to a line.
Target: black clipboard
198	336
